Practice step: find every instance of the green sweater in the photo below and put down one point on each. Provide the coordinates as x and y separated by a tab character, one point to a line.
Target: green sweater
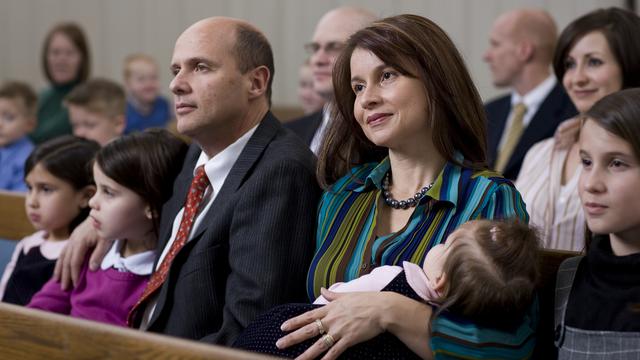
53	118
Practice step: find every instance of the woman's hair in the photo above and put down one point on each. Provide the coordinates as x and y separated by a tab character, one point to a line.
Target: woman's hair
76	35
417	48
146	163
69	159
620	27
491	278
619	114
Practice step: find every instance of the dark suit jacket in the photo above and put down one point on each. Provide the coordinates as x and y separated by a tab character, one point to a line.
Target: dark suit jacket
305	127
555	108
253	250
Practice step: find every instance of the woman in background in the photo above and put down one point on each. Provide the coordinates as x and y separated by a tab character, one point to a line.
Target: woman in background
597	54
66	62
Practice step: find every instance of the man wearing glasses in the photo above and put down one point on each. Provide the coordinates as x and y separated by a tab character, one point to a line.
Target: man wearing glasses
332	31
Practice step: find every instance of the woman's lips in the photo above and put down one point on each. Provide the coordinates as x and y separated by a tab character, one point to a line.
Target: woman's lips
594	209
377	118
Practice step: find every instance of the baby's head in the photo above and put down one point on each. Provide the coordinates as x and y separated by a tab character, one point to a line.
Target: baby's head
17	111
487	270
96	110
141	78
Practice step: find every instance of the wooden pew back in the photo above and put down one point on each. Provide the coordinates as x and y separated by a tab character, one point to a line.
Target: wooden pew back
32	334
14	224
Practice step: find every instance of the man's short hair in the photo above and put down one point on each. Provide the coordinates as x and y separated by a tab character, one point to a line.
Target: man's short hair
22	91
252	49
100	96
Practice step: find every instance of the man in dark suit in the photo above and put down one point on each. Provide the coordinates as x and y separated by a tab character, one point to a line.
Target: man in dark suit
332	31
252	236
520	55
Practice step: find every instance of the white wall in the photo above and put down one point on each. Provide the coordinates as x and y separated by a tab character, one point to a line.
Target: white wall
118	27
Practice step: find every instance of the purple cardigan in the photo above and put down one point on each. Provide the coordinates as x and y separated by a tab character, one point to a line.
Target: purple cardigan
104	295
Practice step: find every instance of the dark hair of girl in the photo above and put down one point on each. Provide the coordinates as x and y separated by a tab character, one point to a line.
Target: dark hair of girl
146	163
68	158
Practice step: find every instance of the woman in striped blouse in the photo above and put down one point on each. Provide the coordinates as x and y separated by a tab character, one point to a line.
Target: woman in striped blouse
403	165
597	54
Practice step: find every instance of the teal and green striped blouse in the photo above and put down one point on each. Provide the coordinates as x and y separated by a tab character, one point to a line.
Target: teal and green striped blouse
347	245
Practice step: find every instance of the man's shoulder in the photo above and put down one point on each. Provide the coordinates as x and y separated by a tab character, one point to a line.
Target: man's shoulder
497	102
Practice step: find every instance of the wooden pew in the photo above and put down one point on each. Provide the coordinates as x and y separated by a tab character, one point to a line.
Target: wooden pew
14	224
550	260
32	334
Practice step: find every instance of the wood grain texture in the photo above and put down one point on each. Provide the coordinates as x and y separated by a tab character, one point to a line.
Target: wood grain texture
34	334
14	224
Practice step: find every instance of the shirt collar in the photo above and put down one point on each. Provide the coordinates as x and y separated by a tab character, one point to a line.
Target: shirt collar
139	264
536	96
446	181
218	167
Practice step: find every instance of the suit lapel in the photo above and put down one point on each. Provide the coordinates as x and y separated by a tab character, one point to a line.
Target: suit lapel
248	157
251	153
543	122
497	123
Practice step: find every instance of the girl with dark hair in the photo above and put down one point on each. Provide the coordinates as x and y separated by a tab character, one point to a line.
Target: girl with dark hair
598	295
403	165
66	62
134	176
59	183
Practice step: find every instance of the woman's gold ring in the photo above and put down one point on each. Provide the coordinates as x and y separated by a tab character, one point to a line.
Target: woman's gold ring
328	340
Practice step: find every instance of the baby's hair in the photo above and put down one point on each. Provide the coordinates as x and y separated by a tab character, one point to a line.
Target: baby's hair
146	163
24	92
136	57
491	279
100	96
68	158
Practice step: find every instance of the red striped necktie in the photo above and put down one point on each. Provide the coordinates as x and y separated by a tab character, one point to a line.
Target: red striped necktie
196	193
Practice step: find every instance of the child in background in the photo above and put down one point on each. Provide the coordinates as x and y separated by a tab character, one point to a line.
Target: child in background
146	108
134	177
96	110
598	295
486	271
60	185
17	119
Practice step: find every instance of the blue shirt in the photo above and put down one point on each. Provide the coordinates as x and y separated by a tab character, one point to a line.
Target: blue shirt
12	158
158	117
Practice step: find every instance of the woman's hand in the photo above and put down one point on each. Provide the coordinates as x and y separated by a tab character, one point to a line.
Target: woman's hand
567	133
82	239
352	318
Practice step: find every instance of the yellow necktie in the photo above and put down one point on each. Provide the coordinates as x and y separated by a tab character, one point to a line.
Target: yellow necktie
512	137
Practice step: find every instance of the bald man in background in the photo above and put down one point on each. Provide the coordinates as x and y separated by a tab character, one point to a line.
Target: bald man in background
520	53
329	37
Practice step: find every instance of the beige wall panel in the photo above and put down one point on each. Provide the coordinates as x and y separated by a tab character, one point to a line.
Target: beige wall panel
120	27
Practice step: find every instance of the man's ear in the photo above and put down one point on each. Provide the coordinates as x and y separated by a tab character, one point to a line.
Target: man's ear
526	49
258	81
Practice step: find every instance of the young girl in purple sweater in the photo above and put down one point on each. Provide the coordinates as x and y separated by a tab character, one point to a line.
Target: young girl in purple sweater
134	176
